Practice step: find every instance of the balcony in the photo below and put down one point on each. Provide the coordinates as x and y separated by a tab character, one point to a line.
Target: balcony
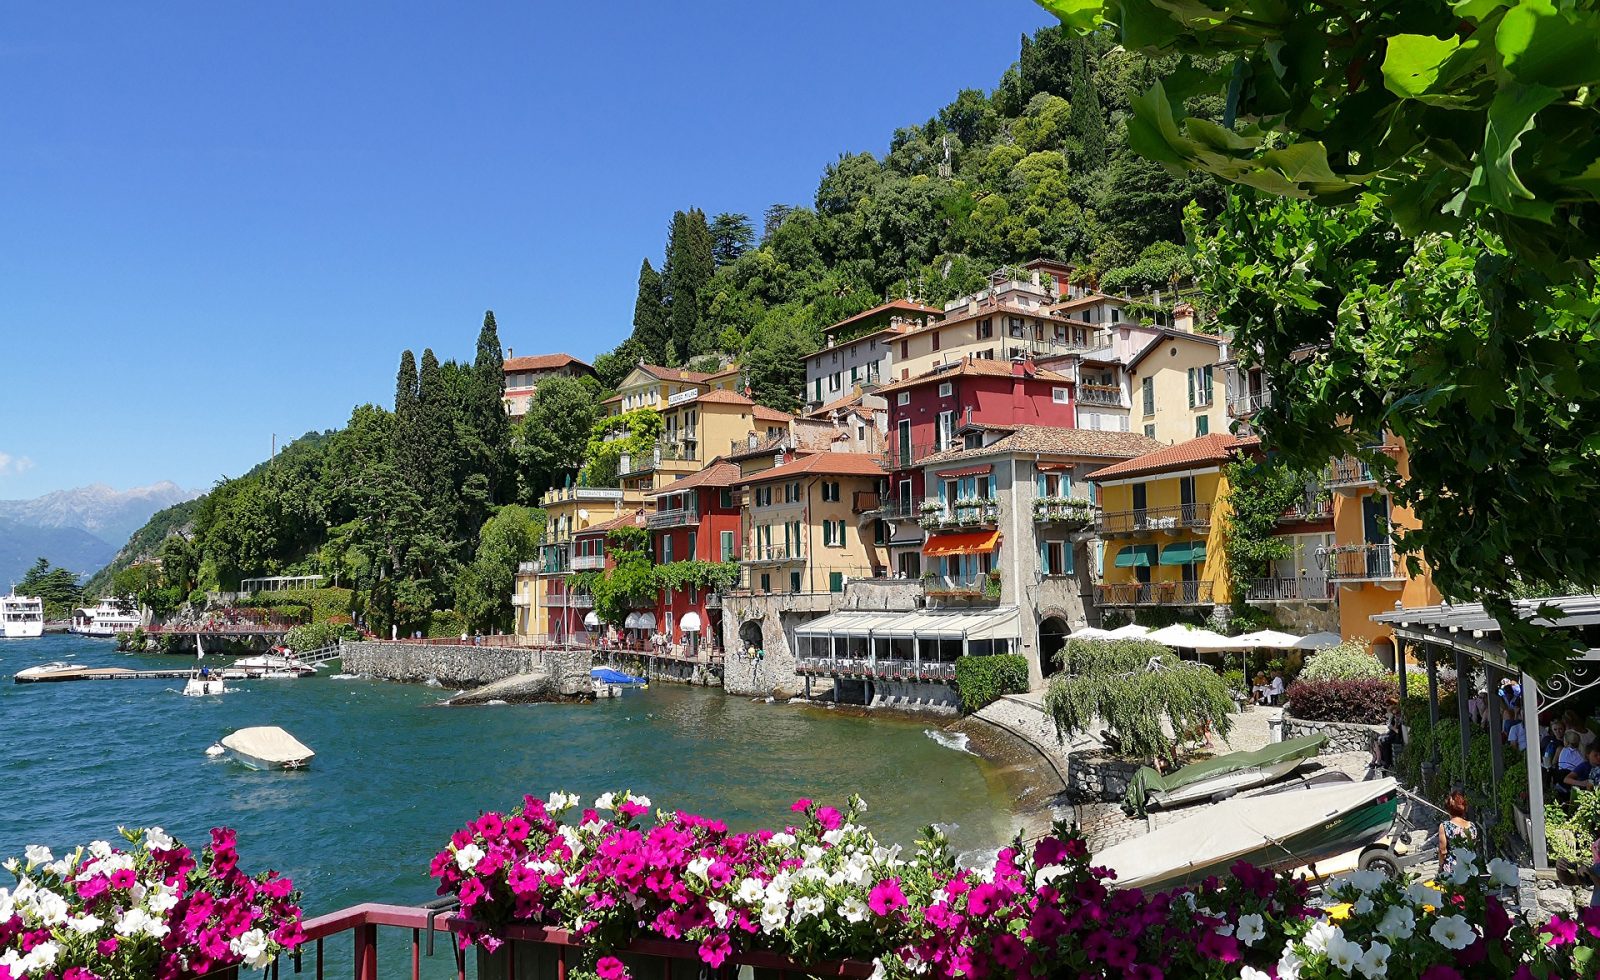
588	563
1245	404
589	494
554	600
527	568
772	554
518	600
973	512
677	517
1316	505
1362	563
580	600
879	668
1352	473
863	501
1193	516
1108	395
899	510
904	454
1302	588
1154	594
984	585
1073	512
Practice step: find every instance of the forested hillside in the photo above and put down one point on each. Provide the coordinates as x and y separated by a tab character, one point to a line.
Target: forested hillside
424	509
1039	167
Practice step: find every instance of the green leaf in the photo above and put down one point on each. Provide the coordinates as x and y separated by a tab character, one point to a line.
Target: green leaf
1412	62
1495	179
1079	15
1543	46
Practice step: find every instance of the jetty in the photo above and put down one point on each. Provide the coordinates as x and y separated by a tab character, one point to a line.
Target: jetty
126	674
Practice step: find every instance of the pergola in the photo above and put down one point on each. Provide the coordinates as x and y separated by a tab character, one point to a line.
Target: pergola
1470	635
280	583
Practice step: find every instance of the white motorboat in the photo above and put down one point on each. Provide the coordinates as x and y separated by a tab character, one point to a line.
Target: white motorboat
45	672
21	617
274	666
203	682
107	620
267	747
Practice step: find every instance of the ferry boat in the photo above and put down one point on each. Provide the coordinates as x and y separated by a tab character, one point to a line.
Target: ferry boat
21	617
106	619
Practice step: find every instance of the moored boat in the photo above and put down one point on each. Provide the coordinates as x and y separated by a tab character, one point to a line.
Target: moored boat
267	747
1279	832
105	620
1223	775
280	664
21	617
45	672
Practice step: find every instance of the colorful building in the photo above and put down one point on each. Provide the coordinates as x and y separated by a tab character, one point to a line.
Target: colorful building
696	424
590	554
695	519
523	375
1011	319
543	606
858	352
1161	524
1176	384
654	386
809	527
931	414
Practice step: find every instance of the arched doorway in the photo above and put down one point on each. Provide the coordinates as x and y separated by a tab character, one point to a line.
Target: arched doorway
750	637
1383	649
1052	638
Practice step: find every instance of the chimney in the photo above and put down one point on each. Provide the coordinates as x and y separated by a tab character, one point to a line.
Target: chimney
1036	277
510	353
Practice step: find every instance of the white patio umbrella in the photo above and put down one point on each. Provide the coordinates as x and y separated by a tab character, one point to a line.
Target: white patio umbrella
1319	641
1132	631
1268	640
1193	637
1090	633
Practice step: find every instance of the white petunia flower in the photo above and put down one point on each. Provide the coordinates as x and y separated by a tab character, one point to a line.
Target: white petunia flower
807	906
750	891
605	801
643	801
719	914
41	957
85	925
1321	935
48	907
853	909
100	849
1343	954
1289	964
786	839
253	947
1251	973
1461	873
467	858
1367	880
156	839
1398	923
773	915
833	837
1452	932
38	854
1362	905
1375	962
1252	928
698	868
1503	872
1418	893
560	802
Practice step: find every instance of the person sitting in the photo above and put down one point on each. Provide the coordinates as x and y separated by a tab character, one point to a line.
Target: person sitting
1550	746
1584	775
1575	723
1456	831
1275	689
1517	735
1258	689
1510	701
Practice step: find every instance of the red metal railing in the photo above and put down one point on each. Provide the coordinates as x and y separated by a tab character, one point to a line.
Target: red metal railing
362	923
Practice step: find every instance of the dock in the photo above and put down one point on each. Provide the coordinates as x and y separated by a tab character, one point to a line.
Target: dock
124	674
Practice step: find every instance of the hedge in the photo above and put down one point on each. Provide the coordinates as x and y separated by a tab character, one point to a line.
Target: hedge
982	680
1345	662
1363	701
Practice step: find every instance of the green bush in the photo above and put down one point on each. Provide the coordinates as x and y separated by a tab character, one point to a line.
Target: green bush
445	624
317	605
982	680
315	636
1235	679
1345	662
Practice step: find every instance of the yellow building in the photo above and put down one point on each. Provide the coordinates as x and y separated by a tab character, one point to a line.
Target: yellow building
1161	526
654	386
805	529
540	599
1178	387
698	426
1371	577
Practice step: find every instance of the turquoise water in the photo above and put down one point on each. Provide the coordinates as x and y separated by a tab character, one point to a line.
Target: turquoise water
394	775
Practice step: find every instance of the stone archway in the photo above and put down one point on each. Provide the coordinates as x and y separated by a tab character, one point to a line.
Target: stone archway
750	635
1053	632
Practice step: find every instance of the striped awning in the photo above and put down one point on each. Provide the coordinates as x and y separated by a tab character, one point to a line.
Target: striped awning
969	543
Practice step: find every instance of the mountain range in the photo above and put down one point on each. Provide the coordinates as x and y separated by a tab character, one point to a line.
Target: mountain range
79	529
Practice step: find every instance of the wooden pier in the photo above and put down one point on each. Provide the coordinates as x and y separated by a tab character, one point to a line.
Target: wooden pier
124	674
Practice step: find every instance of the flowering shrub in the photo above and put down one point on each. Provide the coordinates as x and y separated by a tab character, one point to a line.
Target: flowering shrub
1363	701
151	911
1348	661
823	889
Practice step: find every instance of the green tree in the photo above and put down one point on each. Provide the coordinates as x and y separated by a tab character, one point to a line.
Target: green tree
1258	495
550	440
483	586
492	426
611	367
1088	123
57	587
641	428
686	274
731	237
774	363
650	330
631	581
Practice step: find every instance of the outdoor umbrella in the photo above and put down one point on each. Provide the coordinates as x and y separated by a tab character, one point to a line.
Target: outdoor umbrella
1269	640
1194	638
1132	631
1319	641
1091	633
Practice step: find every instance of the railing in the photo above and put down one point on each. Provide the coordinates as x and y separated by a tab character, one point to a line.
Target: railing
1064	510
588	563
1110	395
494	640
1247	404
1362	563
1154	594
862	501
773	553
907	453
979	586
1317	506
1301	588
961	513
880	668
527	568
360	926
1349	471
677	517
1193	515
518	599
580	600
553	600
899	510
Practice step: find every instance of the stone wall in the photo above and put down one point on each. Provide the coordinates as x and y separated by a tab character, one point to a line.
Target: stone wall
1542	895
906	696
465	666
1304	617
883	594
778	614
1096	778
1343	736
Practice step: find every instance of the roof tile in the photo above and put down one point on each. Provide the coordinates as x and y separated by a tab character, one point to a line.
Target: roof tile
1218	447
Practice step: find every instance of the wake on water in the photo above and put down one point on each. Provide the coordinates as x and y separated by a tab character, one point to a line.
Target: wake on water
950	740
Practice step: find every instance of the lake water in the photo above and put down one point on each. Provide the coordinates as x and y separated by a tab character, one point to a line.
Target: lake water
394	775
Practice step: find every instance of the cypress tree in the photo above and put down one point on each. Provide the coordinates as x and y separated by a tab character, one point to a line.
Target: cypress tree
405	385
649	313
402	448
689	268
1088	121
494	428
428	459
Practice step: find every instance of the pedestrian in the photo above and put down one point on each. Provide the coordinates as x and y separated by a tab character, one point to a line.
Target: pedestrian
1455	830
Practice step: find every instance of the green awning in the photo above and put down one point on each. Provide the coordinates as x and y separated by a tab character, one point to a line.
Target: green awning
1136	556
1184	553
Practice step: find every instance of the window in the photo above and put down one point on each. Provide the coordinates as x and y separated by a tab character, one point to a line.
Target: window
936	340
819	390
725	497
985	329
1200	386
1148	389
988	354
904	398
1202	425
880	532
666	549
794	581
1014	326
766	582
727	546
946	431
835	581
1150	431
905	349
1060	396
1055	557
946	389
830	491
835	381
693	541
1116	315
854	375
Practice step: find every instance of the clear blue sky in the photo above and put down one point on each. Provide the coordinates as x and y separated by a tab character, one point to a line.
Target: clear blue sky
225	220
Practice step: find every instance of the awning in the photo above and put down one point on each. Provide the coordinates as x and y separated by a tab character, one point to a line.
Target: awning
1184	553
970	543
690	623
988	624
1045	466
1136	556
591	620
640	621
965	471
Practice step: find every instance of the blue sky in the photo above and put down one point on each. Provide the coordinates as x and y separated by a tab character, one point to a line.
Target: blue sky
224	221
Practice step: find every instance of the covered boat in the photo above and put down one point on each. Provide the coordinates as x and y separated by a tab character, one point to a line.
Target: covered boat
267	747
1224	774
1279	832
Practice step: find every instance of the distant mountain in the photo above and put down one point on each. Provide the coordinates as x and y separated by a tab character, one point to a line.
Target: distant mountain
109	514
69	547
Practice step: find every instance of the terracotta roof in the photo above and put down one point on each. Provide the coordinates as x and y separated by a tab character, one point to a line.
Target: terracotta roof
973	367
823	464
766	414
852	399
1089	300
730	369
1218	447
613	398
636	519
716	474
1093	443
719	396
901	305
544	362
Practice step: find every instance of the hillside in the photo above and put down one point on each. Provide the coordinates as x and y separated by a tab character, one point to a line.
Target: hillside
144	543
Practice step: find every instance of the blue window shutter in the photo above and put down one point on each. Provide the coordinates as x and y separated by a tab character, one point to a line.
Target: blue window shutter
1041	490
941	491
1066	558
1044	558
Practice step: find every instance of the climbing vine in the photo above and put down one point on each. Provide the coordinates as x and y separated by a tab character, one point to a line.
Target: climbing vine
1258	496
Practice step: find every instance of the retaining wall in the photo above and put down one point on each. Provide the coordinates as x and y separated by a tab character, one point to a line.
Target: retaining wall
464	666
1096	778
1343	736
906	696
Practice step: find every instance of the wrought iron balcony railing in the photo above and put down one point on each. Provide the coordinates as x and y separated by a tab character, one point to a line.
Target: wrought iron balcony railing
1182	516
1362	563
1154	594
1301	588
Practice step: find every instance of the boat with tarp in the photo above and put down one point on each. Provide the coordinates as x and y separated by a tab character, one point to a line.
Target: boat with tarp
1223	775
267	747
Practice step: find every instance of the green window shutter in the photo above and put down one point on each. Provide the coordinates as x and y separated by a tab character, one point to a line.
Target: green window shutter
1044	558
1202	425
1191	387
1206	378
835	581
727	545
1066	558
819	389
1066	484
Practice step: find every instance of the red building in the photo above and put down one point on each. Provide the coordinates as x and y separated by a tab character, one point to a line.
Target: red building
696	519
577	615
932	412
